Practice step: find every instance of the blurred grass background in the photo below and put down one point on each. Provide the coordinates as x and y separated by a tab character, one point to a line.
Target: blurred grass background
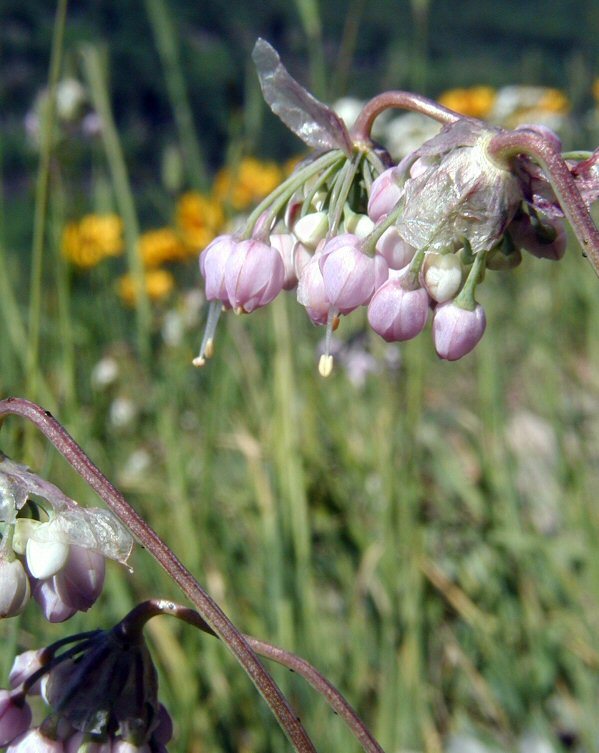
424	533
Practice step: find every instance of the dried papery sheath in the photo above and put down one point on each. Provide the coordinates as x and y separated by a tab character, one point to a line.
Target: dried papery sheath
456	191
91	528
313	122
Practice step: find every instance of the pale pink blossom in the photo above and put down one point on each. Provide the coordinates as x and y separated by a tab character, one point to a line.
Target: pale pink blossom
254	275
456	331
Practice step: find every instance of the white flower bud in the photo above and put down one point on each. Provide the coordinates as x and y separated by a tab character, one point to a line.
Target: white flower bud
358	224
14	587
47	551
442	276
311	229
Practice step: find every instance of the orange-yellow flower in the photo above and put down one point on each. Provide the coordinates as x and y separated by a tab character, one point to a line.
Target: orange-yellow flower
199	218
93	238
475	102
246	183
161	245
159	283
596	89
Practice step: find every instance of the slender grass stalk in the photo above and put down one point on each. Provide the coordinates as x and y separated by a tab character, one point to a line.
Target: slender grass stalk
124	196
287	452
168	49
309	14
41	204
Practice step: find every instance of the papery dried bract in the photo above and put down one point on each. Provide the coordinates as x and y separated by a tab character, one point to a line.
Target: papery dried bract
92	528
461	193
315	123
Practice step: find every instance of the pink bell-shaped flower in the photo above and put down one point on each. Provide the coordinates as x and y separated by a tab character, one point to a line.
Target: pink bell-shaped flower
310	291
213	260
397	313
254	275
457	330
348	273
80	581
384	194
392	247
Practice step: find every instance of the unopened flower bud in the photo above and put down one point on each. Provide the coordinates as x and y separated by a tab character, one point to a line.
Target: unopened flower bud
254	275
311	229
213	260
46	552
456	330
545	240
80	581
53	607
384	194
392	247
15	716
442	276
34	741
285	244
310	291
14	587
347	272
24	666
398	314
359	225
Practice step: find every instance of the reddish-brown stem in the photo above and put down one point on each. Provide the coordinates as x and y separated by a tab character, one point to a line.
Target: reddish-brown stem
505	146
147	537
333	697
399	100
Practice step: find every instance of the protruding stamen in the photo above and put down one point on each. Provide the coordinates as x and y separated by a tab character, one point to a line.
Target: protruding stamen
325	365
207	346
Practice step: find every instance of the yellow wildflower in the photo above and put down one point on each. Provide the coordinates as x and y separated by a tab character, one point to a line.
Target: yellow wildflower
161	245
247	183
553	100
596	89
475	102
158	282
93	238
199	218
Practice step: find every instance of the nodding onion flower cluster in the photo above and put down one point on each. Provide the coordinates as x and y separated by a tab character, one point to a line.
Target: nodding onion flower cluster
102	692
350	229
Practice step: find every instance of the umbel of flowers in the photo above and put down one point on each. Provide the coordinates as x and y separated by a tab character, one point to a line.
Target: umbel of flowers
349	228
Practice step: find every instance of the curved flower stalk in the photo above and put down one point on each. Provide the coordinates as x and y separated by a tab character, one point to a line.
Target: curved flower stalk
471	189
207	608
101	687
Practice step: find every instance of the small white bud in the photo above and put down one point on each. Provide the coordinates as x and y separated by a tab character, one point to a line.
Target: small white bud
442	276
14	587
46	552
311	229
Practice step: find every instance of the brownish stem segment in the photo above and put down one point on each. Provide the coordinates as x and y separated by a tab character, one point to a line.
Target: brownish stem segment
210	611
399	100
506	146
333	697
